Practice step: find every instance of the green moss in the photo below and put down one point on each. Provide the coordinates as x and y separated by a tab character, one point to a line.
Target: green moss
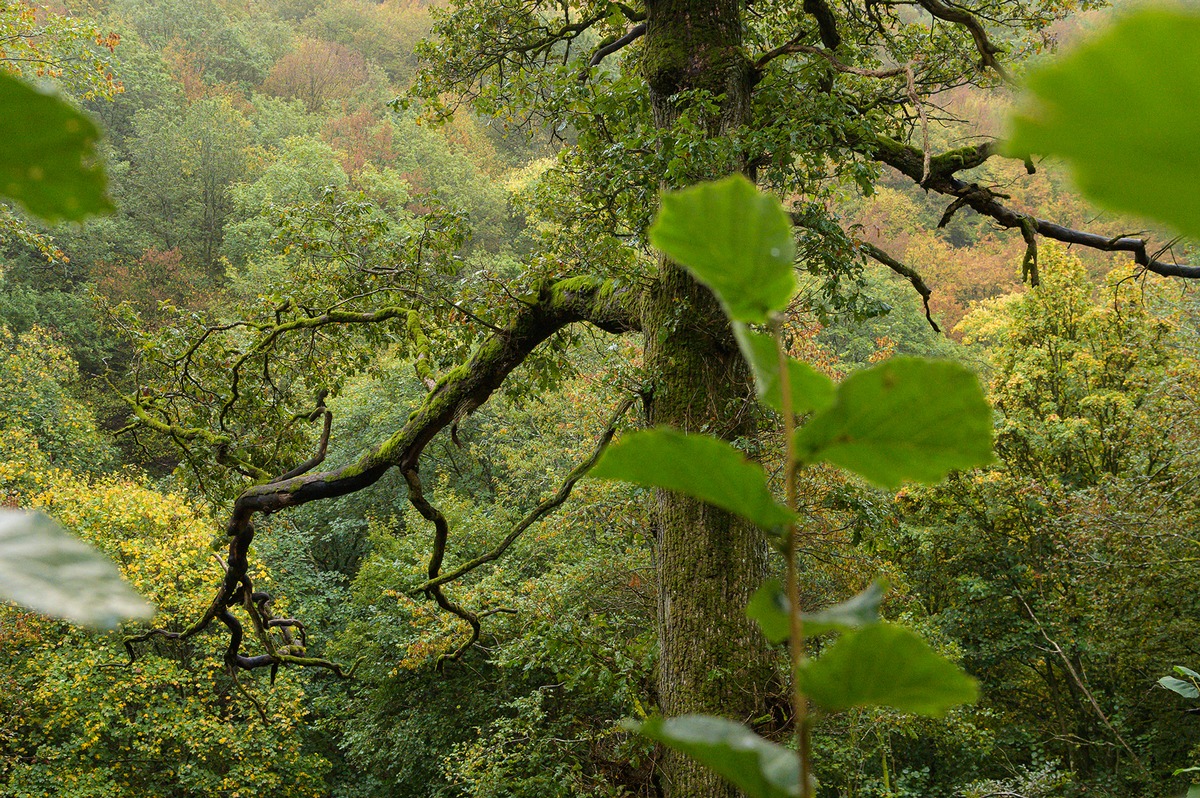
955	160
570	285
664	63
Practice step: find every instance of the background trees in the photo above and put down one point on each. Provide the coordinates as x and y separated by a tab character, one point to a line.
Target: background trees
1033	566
443	244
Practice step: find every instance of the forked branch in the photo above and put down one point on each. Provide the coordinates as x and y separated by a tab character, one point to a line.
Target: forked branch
910	161
604	304
433	585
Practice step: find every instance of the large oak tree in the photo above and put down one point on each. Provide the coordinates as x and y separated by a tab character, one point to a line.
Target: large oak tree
806	98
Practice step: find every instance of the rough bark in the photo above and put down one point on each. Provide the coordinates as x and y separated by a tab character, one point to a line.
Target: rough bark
711	659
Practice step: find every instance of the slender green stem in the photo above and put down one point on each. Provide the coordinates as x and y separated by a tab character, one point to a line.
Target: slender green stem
796	645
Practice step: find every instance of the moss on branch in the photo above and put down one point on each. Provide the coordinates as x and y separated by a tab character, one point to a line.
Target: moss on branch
605	304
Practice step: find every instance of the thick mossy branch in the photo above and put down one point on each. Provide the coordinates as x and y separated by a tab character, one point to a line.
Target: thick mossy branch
909	161
610	306
422	353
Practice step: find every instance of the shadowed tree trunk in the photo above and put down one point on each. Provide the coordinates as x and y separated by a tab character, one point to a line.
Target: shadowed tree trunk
711	658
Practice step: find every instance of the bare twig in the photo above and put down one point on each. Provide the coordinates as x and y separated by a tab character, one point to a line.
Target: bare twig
1080	683
903	270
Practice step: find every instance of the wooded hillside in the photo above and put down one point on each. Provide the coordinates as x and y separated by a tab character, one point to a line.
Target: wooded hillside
328	366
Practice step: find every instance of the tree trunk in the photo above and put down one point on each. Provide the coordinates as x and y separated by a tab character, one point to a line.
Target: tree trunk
711	658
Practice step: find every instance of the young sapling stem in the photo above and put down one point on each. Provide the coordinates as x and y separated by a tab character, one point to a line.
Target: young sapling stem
796	644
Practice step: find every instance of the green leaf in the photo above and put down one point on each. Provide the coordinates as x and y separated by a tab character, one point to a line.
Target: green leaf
1121	109
1185	689
735	240
1193	791
48	154
43	567
696	465
886	665
812	391
758	767
903	419
769	607
853	613
1186	672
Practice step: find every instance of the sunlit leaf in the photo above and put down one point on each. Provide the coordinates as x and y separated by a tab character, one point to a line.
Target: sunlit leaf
905	419
48	154
735	240
44	568
758	767
769	607
886	665
811	390
1121	109
696	465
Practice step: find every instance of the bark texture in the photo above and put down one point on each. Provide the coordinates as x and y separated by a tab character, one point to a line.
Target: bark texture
711	658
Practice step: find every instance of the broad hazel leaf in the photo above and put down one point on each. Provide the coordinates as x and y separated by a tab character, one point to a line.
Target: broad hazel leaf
886	665
854	613
48	154
1185	689
811	390
758	767
696	465
769	607
1121	109
45	568
905	419
735	240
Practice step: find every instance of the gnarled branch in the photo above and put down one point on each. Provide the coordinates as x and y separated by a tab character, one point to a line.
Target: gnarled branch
959	16
908	272
416	497
826	22
909	160
537	513
605	304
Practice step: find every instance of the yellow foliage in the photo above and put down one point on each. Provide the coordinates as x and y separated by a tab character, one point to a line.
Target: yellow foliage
171	723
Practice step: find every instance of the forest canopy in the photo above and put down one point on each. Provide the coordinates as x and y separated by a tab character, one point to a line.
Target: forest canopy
460	439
